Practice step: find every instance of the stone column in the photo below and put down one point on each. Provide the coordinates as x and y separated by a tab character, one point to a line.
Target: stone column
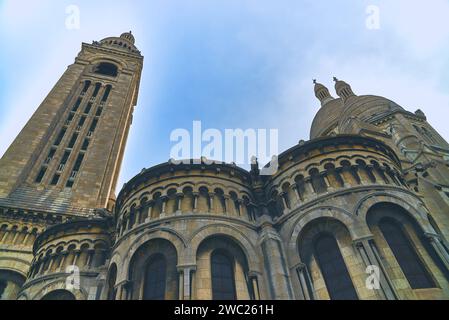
305	281
371	257
137	216
283	196
195	201
179	197
181	284
164	205
150	210
327	181
61	265
5	235
185	281
52	261
296	191
253	278
355	174
25	239
309	189
278	276
439	249
227	204
124	290
16	234
211	202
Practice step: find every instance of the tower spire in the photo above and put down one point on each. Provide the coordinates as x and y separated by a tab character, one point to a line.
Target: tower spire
343	89
322	93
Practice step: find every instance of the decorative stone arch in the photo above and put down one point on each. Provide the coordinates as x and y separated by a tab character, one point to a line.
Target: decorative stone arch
313	165
116	258
416	210
144	194
355	228
19	266
283	181
176	239
80	294
121	64
218	229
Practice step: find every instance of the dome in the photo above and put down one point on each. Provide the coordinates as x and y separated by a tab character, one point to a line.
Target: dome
128	36
123	43
367	108
336	112
326	118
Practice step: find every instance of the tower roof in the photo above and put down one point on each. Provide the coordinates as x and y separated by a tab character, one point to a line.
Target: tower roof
128	36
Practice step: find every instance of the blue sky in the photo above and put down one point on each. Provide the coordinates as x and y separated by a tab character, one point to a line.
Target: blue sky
230	64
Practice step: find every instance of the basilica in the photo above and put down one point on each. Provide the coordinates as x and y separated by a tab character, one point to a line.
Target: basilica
358	212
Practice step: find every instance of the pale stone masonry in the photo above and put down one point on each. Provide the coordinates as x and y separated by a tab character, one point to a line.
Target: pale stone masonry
369	190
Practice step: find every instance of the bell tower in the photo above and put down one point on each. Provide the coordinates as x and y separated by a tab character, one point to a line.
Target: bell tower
67	158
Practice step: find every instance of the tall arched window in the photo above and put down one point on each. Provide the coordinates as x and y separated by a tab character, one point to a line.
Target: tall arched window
112	292
223	281
155	278
405	254
333	268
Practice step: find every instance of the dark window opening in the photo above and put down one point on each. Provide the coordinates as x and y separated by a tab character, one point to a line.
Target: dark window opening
77	104
78	162
107	69
65	157
86	86
333	268
81	122
97	88
88	107
55	180
60	137
223	281
107	91
51	153
93	126
155	278
73	140
99	111
405	254
59	294
41	175
85	144
71	115
69	184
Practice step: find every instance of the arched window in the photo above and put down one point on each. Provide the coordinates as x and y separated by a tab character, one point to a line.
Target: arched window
107	69
405	254
318	184
333	268
223	281
112	292
59	295
155	278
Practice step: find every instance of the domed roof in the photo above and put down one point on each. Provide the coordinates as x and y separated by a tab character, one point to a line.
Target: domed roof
368	107
123	43
326	118
365	108
128	36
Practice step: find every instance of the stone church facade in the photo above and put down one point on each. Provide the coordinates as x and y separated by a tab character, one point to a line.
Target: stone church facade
367	195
